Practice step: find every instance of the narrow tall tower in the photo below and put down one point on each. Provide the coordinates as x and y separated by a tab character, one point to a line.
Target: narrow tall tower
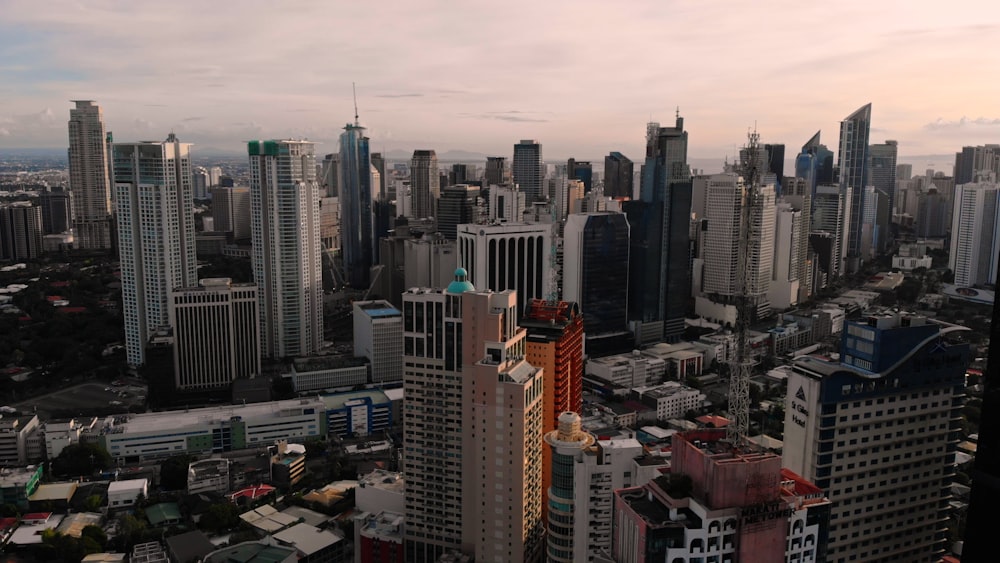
528	173
853	162
284	199
155	208
425	184
89	177
357	227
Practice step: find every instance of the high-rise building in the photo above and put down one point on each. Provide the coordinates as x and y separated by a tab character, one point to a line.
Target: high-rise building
783	291
287	263
433	447
458	205
329	179
581	170
380	187
497	172
200	182
425	187
721	504
618	176
378	336
506	204
814	164
595	270
329	225
975	242
156	241
974	164
430	261
528	171
20	231
514	256
464	174
231	211
89	177
216	333
797	193
931	220
666	160
585	473
904	172
502	433
775	154
852	160
829	214
882	169
57	210
876	432
357	229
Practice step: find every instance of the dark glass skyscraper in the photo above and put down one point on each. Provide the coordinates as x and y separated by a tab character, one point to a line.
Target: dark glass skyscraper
815	164
853	158
776	164
528	173
457	207
618	171
581	170
595	269
356	216
496	170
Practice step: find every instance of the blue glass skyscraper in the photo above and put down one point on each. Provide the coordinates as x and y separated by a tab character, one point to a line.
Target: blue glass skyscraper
853	163
356	216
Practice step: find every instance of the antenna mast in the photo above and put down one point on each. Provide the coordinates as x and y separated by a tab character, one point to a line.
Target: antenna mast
354	90
746	301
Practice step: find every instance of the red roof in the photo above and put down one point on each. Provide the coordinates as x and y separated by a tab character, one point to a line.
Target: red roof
7	523
252	493
716	421
54	298
65	310
36	516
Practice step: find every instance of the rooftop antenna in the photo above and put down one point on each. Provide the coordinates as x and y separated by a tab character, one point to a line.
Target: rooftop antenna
678	114
354	90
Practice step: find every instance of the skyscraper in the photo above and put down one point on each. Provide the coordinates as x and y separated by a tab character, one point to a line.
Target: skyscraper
829	213
216	333
378	336
458	205
975	242
595	270
976	163
57	210
883	170
425	186
618	176
156	241
433	388
231	211
876	433
357	229
528	173
329	179
775	154
378	161
783	291
502	423
853	160
89	177
581	170
666	160
515	256
496	171
20	231
287	267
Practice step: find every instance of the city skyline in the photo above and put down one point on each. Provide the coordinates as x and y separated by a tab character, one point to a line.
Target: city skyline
206	86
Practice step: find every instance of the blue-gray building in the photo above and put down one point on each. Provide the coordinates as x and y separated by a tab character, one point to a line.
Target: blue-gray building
357	229
852	160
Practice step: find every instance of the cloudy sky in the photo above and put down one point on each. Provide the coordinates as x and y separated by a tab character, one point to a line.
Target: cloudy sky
582	77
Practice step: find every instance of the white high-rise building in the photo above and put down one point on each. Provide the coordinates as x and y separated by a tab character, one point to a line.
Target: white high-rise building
783	291
975	234
89	177
508	256
378	336
216	333
155	207
725	196
506	204
231	211
830	209
285	226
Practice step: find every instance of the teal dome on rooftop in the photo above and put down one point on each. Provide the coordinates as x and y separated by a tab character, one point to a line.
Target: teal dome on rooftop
461	283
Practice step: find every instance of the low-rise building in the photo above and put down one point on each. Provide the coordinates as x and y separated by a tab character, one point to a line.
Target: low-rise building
312	544
61	433
209	476
288	464
14	431
329	372
123	494
380	490
358	413
17	484
628	370
262	550
670	400
378	537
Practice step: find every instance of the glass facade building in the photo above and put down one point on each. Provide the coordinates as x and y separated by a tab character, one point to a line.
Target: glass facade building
356	215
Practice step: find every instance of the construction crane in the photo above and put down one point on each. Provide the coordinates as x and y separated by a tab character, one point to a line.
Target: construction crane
741	365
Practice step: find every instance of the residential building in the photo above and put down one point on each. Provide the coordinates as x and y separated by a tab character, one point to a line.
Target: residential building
975	234
14	433
595	270
209	476
329	176
853	160
231	211
830	209
618	176
123	494
156	241
216	333
876	432
670	399
356	186
20	232
528	172
974	164
425	184
378	336
89	177
515	256
378	537
501	422
933	209
57	210
287	263
783	291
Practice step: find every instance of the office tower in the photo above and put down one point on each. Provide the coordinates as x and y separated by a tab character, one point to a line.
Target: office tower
329	179
618	175
57	210
287	263
783	291
329	224
662	277
502	432
904	172
425	187
931	220
721	504
433	447
814	164
496	171
585	473
200	182
380	187
876	432
216	333
464	174
883	169
775	155
516	256
430	261
155	208
852	160
458	205
830	208
974	164
231	211
214	176
357	230
378	336
89	179
528	171
798	194
980	523
20	231
975	241
581	170
595	270
507	204
725	197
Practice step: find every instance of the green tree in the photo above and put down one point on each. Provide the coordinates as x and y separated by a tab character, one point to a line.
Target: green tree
220	517
81	459
95	534
174	473
93	503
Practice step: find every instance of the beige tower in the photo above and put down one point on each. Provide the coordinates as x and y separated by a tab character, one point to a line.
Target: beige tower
89	177
502	427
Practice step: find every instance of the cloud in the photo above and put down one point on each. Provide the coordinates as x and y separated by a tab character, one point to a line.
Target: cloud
513	116
398	96
964	122
193	118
